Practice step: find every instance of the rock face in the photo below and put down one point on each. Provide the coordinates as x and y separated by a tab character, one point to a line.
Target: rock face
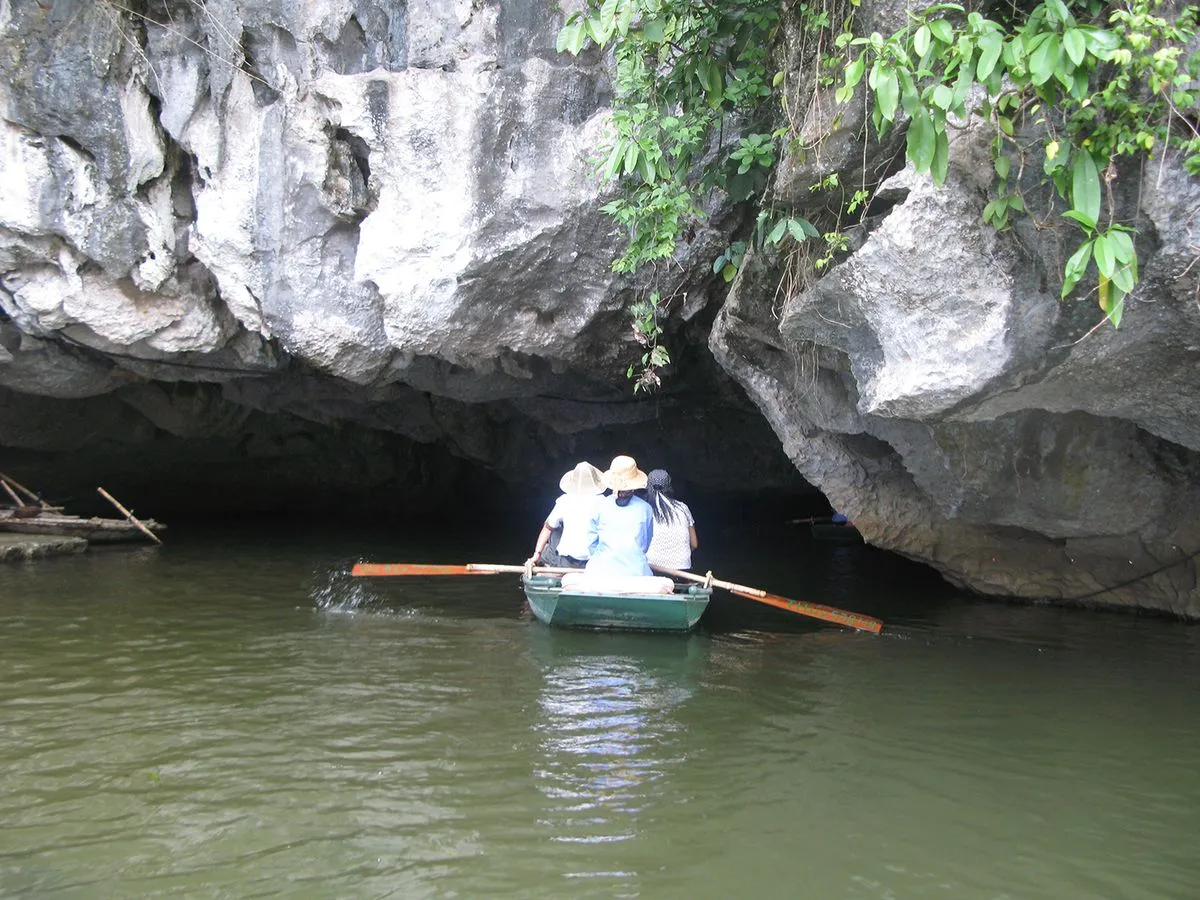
351	251
285	244
934	387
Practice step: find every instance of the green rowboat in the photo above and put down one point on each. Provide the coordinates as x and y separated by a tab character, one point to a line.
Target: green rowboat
567	608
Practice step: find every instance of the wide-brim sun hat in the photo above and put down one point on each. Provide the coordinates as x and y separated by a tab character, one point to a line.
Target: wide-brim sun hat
585	479
624	475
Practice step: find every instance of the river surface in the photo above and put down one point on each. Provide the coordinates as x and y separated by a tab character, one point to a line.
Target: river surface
233	716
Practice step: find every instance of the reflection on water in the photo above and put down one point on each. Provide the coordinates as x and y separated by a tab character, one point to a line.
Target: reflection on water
607	732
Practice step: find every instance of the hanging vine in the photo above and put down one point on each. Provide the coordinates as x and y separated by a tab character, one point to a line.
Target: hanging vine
1091	81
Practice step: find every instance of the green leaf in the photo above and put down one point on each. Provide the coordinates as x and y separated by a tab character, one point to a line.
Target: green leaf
995	213
631	158
647	168
1058	12
719	262
1077	216
1003	165
1085	187
572	38
1122	246
1101	42
942	30
1124	278
887	93
1075	267
921	40
1044	60
607	19
989	54
942	96
809	228
941	159
922	142
776	234
612	168
1104	257
625	18
1075	45
854	71
908	91
1116	307
729	273
1111	299
796	230
653	31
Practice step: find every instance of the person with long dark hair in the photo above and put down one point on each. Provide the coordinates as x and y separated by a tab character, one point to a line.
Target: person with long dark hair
674	536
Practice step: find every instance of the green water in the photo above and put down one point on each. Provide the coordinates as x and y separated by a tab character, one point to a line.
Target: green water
233	716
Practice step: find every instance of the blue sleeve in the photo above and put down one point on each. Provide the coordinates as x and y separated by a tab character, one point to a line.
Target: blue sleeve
647	530
594	529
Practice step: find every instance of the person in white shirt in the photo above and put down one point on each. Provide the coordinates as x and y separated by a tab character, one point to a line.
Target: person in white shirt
674	528
569	520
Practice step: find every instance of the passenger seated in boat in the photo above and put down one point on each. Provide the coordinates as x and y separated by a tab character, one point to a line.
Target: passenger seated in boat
674	528
569	520
622	525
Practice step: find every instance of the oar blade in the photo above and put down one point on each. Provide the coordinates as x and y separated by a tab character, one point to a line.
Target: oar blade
375	569
819	611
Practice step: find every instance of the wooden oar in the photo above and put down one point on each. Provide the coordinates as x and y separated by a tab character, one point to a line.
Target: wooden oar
820	611
436	569
413	569
704	579
803	607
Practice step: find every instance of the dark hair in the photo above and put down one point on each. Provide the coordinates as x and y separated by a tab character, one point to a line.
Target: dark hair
658	495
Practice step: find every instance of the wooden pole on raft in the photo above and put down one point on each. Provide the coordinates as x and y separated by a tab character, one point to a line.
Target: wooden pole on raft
801	607
17	500
130	516
24	490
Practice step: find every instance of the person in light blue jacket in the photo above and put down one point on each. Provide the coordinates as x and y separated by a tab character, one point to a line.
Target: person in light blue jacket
622	524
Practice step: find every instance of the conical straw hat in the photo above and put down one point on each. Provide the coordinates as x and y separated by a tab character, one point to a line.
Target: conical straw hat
583	479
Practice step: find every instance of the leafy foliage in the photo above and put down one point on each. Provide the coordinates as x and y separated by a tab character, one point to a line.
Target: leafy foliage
1102	80
1074	85
682	68
647	332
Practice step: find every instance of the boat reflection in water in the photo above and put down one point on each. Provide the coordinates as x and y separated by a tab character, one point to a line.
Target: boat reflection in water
609	737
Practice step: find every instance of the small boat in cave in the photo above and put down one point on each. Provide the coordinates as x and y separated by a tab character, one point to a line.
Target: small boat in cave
672	607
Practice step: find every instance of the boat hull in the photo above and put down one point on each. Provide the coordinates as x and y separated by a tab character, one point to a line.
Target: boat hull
561	608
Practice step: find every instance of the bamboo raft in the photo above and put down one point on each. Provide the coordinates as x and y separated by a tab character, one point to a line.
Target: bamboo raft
30	514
